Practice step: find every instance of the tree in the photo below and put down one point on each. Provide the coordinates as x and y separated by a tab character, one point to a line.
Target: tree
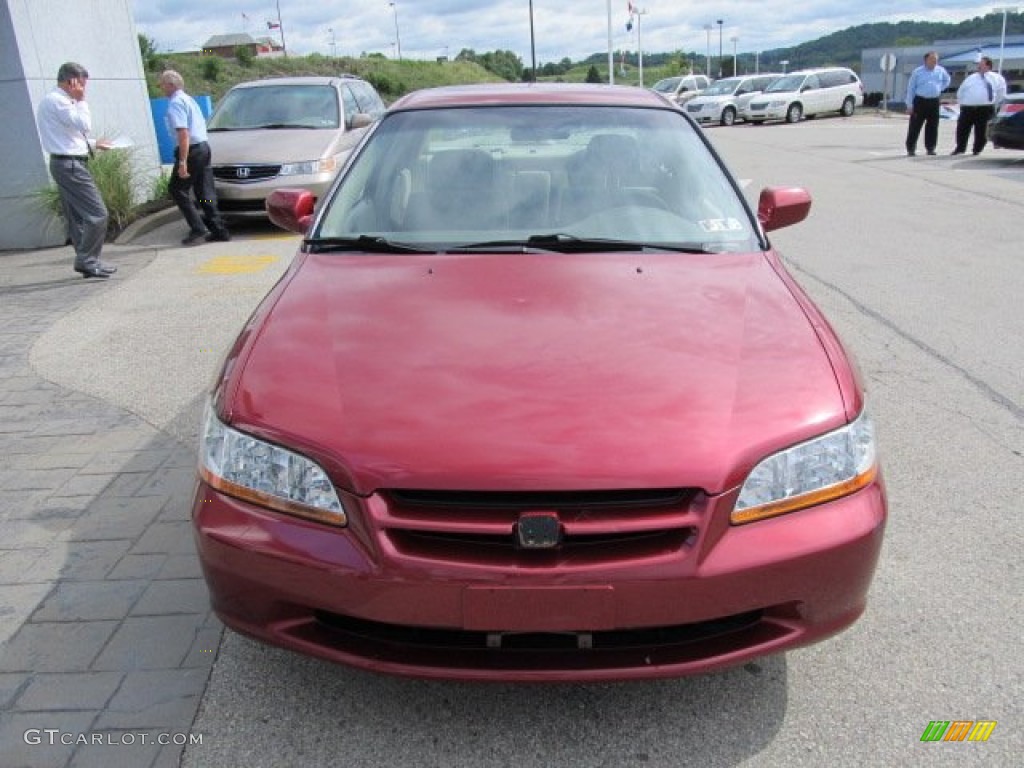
147	48
593	76
244	55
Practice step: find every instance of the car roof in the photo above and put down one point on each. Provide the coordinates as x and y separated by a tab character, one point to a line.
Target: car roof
485	94
295	80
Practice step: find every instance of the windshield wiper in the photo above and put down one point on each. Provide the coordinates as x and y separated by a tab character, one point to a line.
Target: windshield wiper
366	243
564	243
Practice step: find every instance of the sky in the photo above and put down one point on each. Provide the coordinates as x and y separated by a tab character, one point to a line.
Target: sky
426	29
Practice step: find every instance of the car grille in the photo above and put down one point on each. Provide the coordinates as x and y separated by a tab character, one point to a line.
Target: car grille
384	636
245	174
241	206
467	528
758	104
694	107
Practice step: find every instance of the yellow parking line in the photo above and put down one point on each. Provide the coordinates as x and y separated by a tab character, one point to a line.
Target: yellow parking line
235	265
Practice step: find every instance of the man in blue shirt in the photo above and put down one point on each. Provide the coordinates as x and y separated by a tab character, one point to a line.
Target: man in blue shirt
924	88
192	173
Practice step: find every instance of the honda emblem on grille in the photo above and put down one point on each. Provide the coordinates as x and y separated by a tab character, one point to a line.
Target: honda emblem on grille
538	530
242	172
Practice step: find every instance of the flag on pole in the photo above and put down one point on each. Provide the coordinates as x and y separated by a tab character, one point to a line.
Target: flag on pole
273	25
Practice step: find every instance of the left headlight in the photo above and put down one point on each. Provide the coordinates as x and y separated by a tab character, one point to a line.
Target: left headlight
239	465
309	167
830	466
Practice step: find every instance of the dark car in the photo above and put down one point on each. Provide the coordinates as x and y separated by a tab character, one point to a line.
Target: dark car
537	400
1006	129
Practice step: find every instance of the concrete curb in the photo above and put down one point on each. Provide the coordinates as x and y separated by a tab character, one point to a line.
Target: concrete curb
146	225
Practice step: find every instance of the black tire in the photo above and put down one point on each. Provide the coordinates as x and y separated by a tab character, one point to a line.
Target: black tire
794	113
848	106
728	116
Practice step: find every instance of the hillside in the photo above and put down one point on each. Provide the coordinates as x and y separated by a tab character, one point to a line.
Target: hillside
844	48
214	76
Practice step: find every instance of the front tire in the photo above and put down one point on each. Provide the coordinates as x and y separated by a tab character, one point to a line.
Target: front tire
728	116
794	113
847	108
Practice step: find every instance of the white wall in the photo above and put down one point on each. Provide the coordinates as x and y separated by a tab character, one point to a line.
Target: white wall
36	37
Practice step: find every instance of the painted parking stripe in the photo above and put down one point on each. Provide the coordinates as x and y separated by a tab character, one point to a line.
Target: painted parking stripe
235	265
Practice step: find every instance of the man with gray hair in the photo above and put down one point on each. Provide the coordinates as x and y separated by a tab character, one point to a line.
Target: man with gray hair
192	174
64	124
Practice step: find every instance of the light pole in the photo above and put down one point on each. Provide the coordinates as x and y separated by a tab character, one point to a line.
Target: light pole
719	22
533	48
334	45
639	43
784	62
398	40
707	58
1002	38
734	39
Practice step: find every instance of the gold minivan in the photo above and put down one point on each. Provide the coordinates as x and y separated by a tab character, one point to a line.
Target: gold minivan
286	132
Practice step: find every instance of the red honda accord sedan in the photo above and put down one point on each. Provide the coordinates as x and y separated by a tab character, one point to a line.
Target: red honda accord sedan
537	401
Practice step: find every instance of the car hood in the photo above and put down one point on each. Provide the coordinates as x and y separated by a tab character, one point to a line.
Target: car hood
273	146
537	372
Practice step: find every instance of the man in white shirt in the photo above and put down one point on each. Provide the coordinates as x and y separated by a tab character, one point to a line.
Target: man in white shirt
64	124
978	95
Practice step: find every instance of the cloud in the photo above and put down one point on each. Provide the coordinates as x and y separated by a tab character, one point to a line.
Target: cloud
566	28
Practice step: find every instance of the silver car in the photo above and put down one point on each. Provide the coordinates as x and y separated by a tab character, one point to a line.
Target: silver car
286	132
723	100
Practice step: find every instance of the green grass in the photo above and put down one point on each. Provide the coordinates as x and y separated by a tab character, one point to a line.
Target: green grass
390	77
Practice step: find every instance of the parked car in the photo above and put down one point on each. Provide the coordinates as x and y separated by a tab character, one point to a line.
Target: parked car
807	93
537	400
286	131
681	88
1006	129
721	101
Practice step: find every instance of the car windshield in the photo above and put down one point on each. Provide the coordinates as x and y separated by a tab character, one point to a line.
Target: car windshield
277	106
722	87
668	85
517	177
786	84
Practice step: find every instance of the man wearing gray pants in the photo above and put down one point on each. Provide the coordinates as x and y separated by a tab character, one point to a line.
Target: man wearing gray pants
64	125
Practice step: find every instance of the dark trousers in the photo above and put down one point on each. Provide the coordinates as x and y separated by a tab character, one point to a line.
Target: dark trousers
976	119
926	113
84	210
200	184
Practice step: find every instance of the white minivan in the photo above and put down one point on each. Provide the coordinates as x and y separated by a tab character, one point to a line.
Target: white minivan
681	88
722	101
807	93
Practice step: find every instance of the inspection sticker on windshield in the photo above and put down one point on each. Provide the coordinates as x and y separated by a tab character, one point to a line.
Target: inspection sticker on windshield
721	225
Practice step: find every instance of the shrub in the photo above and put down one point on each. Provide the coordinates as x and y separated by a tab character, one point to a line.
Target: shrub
116	180
211	68
244	55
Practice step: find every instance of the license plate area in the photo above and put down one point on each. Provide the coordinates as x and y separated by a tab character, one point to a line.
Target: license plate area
538	609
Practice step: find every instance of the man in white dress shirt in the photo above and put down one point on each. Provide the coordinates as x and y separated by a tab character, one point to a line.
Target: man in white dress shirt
978	95
64	125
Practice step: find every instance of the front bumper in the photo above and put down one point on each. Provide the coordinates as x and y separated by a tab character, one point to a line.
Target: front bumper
724	596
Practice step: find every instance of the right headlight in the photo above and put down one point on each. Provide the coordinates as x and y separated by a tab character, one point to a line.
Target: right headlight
239	465
830	466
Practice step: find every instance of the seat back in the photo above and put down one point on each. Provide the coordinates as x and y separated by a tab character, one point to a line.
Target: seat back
459	194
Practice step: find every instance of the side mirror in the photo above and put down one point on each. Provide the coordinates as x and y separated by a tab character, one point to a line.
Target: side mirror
360	120
291	209
780	207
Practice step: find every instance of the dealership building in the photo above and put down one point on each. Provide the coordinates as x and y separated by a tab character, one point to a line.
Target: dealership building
959	57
